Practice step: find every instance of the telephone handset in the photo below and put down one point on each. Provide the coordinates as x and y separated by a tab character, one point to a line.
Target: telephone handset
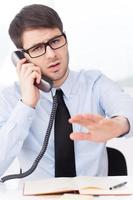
45	83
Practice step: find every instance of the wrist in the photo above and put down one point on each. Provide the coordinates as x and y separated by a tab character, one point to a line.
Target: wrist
27	104
123	124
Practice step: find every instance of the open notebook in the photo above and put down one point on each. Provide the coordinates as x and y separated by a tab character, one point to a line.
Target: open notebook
82	185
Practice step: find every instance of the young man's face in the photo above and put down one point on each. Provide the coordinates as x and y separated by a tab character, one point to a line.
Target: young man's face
54	63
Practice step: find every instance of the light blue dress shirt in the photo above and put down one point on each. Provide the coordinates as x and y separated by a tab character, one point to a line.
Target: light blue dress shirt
22	128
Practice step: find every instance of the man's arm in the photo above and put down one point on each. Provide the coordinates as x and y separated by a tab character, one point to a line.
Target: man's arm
13	131
15	121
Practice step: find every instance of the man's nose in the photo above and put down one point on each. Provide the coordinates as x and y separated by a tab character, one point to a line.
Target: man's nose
50	53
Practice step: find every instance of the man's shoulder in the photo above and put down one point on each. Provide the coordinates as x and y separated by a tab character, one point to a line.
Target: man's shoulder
88	75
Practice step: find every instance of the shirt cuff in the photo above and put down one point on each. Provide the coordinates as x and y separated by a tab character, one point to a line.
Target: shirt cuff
130	122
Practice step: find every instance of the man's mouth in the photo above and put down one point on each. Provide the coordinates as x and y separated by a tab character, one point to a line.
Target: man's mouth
54	67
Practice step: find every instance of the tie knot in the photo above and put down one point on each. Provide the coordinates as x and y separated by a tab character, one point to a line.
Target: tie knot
59	94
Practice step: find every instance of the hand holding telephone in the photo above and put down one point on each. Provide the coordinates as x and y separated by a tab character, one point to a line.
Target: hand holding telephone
45	83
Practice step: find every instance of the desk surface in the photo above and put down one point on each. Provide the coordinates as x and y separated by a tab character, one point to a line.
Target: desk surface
13	190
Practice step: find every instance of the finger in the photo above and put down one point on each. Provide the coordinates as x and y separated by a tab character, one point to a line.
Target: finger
36	72
82	120
76	118
26	67
31	69
19	65
93	117
38	79
86	119
35	77
23	68
80	136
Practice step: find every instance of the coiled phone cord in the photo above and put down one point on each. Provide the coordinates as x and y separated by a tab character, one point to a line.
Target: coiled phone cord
42	151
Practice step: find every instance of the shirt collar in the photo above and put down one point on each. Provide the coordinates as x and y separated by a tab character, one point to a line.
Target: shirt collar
69	84
68	87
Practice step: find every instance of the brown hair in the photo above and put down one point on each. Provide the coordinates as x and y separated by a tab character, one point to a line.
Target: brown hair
32	17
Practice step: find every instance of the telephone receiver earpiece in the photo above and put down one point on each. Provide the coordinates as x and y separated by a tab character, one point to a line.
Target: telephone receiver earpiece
45	84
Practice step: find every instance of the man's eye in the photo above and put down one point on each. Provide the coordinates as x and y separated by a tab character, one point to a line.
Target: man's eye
57	40
37	48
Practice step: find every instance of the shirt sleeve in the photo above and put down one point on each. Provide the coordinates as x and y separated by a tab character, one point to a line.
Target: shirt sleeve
114	101
14	128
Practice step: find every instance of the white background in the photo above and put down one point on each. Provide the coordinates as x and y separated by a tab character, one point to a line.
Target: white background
100	36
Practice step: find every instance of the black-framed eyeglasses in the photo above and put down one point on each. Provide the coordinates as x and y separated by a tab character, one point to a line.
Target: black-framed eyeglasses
40	49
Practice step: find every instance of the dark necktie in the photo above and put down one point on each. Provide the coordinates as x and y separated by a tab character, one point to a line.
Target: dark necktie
64	146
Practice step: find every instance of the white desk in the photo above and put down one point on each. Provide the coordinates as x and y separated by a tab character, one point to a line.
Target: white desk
13	190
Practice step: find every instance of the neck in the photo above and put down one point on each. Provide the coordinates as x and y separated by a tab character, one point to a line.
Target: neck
58	83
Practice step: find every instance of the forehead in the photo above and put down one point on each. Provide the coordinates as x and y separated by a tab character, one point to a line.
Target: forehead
32	37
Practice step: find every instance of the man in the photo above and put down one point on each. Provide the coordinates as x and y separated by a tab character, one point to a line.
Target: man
100	110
